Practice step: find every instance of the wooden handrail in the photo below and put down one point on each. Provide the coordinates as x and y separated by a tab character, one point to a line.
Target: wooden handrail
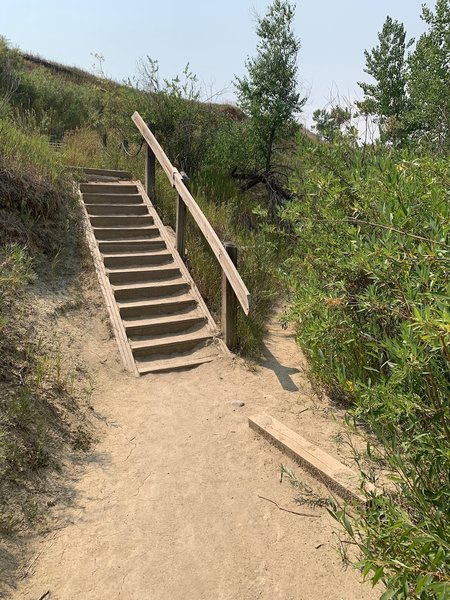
204	225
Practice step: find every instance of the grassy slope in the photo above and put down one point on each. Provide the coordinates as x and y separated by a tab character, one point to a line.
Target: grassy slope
43	400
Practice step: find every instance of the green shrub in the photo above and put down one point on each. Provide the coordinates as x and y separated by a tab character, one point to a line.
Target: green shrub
370	274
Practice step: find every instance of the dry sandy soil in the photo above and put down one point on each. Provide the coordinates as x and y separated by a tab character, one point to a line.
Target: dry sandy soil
169	505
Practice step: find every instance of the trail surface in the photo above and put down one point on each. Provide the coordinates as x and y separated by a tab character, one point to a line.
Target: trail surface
172	503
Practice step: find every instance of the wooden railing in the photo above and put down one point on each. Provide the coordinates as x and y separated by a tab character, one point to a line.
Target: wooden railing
232	285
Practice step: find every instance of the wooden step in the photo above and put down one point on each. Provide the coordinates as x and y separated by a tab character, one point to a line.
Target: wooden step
104	172
125	233
149	290
157	307
108	188
143	274
121	221
174	363
112	198
130	246
116	209
170	344
158	317
158	257
165	324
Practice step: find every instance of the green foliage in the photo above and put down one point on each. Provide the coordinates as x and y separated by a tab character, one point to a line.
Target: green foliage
185	125
429	80
55	103
387	97
268	94
334	123
370	273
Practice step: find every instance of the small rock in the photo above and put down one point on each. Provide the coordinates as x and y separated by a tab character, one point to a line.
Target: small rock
238	403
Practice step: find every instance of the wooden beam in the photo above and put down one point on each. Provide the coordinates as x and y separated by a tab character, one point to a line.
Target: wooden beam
181	222
154	145
229	302
150	169
340	478
204	225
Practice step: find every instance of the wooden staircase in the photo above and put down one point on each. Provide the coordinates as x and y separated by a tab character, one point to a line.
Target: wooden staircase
159	318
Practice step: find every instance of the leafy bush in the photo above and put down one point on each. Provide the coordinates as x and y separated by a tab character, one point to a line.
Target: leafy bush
370	274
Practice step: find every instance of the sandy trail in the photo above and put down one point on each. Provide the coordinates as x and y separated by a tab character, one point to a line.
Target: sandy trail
167	506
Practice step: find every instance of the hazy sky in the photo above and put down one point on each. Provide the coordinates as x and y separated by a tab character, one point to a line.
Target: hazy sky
215	37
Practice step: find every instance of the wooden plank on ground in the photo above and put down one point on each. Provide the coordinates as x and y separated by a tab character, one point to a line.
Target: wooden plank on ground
338	477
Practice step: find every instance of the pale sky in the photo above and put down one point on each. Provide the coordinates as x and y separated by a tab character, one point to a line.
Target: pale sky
214	37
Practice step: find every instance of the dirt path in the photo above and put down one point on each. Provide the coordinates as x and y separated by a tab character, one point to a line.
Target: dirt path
168	506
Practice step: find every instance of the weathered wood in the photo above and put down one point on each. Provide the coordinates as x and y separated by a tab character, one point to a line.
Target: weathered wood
229	302
150	169
113	173
180	264
340	478
210	235
181	222
116	322
151	140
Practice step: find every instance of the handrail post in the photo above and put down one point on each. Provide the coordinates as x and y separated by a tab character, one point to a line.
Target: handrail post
181	221
229	302
150	168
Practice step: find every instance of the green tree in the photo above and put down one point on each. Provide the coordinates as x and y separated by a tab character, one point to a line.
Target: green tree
334	123
387	99
429	81
268	94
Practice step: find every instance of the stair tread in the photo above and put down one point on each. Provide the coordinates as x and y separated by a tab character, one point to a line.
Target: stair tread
129	218
156	301
103	194
114	205
124	241
162	319
156	252
173	363
145	269
126	228
150	284
172	339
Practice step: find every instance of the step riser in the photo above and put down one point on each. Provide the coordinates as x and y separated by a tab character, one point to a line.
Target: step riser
116	209
108	188
136	331
136	261
112	199
117	222
143	276
118	233
135	312
168	348
126	247
137	294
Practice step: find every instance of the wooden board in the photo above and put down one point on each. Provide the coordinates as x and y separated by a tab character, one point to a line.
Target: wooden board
338	477
170	244
116	321
216	245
